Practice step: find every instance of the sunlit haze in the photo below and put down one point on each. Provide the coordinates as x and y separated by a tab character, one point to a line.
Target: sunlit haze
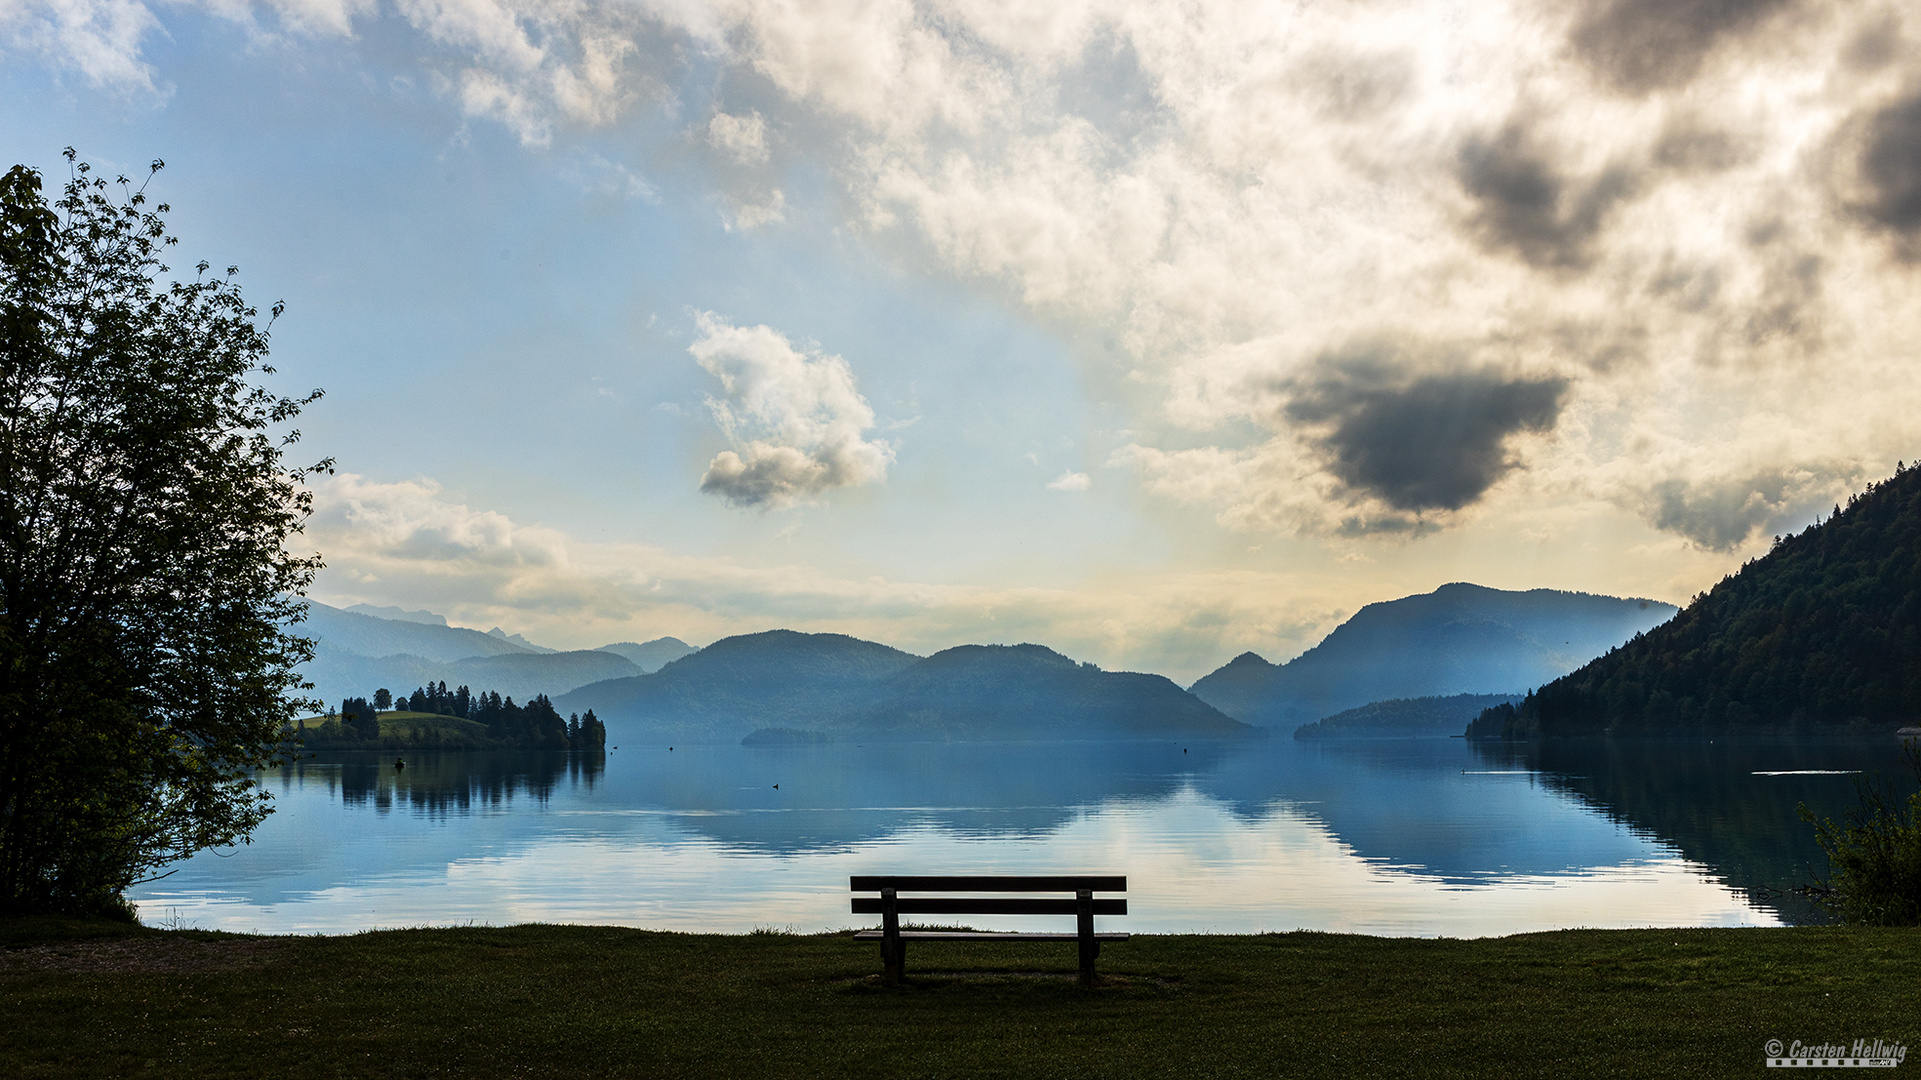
1152	332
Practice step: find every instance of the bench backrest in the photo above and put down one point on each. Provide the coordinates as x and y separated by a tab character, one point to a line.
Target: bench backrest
987	905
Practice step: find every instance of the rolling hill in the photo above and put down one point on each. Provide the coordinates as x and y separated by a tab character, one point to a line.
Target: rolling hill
856	690
780	678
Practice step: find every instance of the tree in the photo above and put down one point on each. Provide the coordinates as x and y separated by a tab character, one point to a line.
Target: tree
383	698
147	664
360	718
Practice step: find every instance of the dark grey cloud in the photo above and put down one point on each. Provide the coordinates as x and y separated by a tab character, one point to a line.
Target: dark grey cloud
1891	168
1524	204
1720	515
1639	46
1429	442
1875	45
1689	145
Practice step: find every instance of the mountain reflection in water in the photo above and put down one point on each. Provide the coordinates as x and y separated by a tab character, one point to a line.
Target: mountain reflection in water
1388	836
1729	804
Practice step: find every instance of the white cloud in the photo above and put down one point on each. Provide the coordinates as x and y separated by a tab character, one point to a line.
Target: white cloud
795	418
98	38
742	138
1071	481
1703	240
411	543
749	216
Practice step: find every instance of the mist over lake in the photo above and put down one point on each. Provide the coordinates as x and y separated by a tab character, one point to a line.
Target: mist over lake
1389	836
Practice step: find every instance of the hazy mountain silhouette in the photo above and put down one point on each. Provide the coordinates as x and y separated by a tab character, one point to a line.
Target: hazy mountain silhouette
1458	639
515	639
356	654
398	614
780	678
1822	632
369	636
650	656
1032	692
860	691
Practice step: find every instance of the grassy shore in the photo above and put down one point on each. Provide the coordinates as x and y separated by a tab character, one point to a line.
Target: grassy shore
86	1000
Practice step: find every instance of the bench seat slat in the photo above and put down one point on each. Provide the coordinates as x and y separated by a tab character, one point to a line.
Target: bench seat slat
1056	883
982	935
986	905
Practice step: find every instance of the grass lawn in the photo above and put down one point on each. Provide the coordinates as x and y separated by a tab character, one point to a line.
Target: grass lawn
402	722
82	1000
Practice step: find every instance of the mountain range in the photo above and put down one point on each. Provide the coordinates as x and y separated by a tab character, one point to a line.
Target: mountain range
1458	639
835	686
358	652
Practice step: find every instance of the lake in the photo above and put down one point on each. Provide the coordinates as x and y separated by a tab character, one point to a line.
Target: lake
1400	837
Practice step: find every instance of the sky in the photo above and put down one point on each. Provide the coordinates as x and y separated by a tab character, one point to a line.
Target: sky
1152	332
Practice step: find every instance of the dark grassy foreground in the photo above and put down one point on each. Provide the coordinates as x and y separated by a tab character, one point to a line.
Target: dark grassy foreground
91	1001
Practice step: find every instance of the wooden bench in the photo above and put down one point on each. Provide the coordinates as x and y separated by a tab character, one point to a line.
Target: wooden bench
890	905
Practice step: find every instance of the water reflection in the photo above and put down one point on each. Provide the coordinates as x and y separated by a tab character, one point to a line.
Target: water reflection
441	783
1409	836
1731	804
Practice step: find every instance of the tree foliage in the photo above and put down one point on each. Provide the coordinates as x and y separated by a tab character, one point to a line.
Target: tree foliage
1822	632
496	723
1875	856
146	588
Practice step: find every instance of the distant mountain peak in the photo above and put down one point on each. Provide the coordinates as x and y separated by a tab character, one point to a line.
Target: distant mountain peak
516	639
1462	638
650	656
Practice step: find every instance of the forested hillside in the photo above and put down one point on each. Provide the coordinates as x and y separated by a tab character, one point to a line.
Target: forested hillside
1401	717
1823	632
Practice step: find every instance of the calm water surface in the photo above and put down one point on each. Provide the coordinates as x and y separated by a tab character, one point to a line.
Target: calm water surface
1417	836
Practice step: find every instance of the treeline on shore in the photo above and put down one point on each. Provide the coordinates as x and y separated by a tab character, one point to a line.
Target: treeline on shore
434	718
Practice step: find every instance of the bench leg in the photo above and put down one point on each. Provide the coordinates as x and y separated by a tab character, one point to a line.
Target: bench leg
892	948
1084	928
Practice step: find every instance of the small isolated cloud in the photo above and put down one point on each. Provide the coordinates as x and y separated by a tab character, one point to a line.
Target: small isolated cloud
751	216
743	138
1071	481
1423	443
795	419
595	175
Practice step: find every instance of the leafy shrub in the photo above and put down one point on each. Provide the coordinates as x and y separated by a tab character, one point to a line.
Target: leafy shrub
1874	859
